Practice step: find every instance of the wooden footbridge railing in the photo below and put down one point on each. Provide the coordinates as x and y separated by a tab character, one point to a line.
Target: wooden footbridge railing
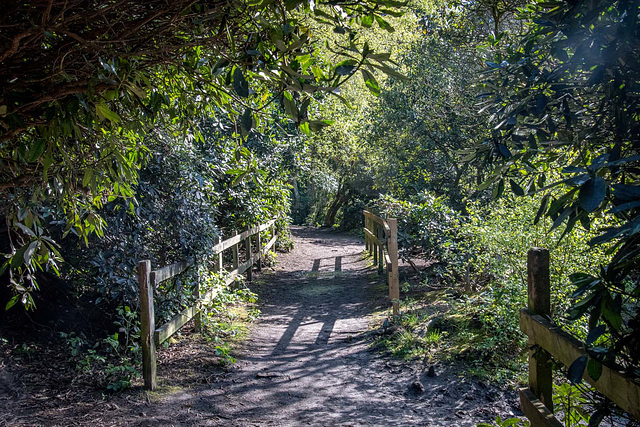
549	341
149	279
381	240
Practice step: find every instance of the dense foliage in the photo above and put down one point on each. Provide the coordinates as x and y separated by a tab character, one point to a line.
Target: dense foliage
85	81
564	114
150	129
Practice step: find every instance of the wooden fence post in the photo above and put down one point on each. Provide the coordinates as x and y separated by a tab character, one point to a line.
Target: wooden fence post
259	249
197	319
394	278
247	248
366	236
381	234
218	267
370	228
234	251
375	245
539	301
147	325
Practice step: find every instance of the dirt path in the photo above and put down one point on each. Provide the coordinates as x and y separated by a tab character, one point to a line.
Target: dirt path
308	360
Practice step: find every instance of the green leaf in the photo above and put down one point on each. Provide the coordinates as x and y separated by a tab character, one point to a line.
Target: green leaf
611	313
576	370
594	369
345	68
316	125
542	209
37	149
517	190
384	24
304	128
18	257
246	120
86	180
104	112
12	302
504	151
290	107
498	189
597	417
366	21
240	85
592	193
370	82
26	230
581	307
239	178
28	253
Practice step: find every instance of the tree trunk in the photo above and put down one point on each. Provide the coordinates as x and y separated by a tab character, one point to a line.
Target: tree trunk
296	200
334	207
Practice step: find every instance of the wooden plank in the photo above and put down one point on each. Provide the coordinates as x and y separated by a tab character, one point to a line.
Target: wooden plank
270	243
267	225
376	219
165	331
234	251
197	318
536	412
539	301
366	237
372	237
381	252
147	325
394	279
160	275
248	256
226	244
241	268
621	390
174	325
538	282
259	250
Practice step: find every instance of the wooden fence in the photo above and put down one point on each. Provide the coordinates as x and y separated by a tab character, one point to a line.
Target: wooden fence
149	279
381	240
549	341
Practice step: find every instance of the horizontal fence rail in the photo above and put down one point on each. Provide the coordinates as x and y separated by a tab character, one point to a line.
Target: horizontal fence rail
550	341
381	241
149	279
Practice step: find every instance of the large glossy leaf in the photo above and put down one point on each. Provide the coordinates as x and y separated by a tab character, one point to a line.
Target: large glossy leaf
592	194
594	369
576	370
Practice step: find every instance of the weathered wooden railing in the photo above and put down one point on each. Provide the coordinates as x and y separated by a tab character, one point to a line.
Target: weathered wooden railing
149	279
381	240
547	340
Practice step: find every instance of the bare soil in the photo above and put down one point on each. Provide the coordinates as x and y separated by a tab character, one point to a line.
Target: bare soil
308	360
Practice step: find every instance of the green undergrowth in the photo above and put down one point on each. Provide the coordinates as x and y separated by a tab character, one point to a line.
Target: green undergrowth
442	326
226	320
114	363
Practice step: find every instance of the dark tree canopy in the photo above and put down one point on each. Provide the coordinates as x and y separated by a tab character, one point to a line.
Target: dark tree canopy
84	81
